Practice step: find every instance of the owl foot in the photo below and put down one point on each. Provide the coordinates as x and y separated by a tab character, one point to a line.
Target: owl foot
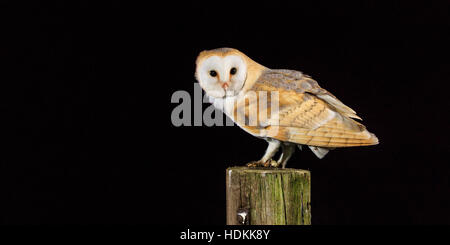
267	164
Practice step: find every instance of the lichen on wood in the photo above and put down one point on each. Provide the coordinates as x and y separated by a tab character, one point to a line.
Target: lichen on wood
270	196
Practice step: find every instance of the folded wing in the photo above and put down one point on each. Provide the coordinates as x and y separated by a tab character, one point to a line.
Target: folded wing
309	114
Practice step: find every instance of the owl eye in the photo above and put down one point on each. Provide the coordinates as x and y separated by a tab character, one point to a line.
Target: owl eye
213	73
233	71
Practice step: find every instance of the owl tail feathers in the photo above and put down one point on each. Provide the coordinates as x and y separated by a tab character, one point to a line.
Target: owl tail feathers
320	152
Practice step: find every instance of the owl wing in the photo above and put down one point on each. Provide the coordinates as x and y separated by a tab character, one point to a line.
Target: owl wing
308	114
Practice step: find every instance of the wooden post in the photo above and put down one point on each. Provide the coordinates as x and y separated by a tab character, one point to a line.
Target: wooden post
268	196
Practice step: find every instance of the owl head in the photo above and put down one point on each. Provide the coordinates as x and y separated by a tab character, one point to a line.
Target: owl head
222	72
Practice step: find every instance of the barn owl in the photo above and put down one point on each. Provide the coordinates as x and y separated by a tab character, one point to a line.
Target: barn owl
307	115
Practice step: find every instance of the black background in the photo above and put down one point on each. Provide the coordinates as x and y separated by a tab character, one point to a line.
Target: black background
86	109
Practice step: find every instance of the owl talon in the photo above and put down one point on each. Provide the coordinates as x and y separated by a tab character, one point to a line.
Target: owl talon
253	164
267	164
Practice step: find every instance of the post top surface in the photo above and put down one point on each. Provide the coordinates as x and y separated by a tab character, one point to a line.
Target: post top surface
267	170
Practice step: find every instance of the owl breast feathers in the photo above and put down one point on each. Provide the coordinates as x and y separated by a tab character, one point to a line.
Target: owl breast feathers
305	113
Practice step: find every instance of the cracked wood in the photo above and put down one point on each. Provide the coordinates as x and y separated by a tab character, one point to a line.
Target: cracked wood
270	196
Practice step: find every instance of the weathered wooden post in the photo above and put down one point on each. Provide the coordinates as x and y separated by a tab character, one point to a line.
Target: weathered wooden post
268	196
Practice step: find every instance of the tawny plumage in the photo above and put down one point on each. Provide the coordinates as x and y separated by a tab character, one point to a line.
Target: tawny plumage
296	110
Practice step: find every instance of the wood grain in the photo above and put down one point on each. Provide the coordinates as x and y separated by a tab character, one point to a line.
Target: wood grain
269	196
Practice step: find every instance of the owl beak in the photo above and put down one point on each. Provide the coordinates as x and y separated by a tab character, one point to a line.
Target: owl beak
225	85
